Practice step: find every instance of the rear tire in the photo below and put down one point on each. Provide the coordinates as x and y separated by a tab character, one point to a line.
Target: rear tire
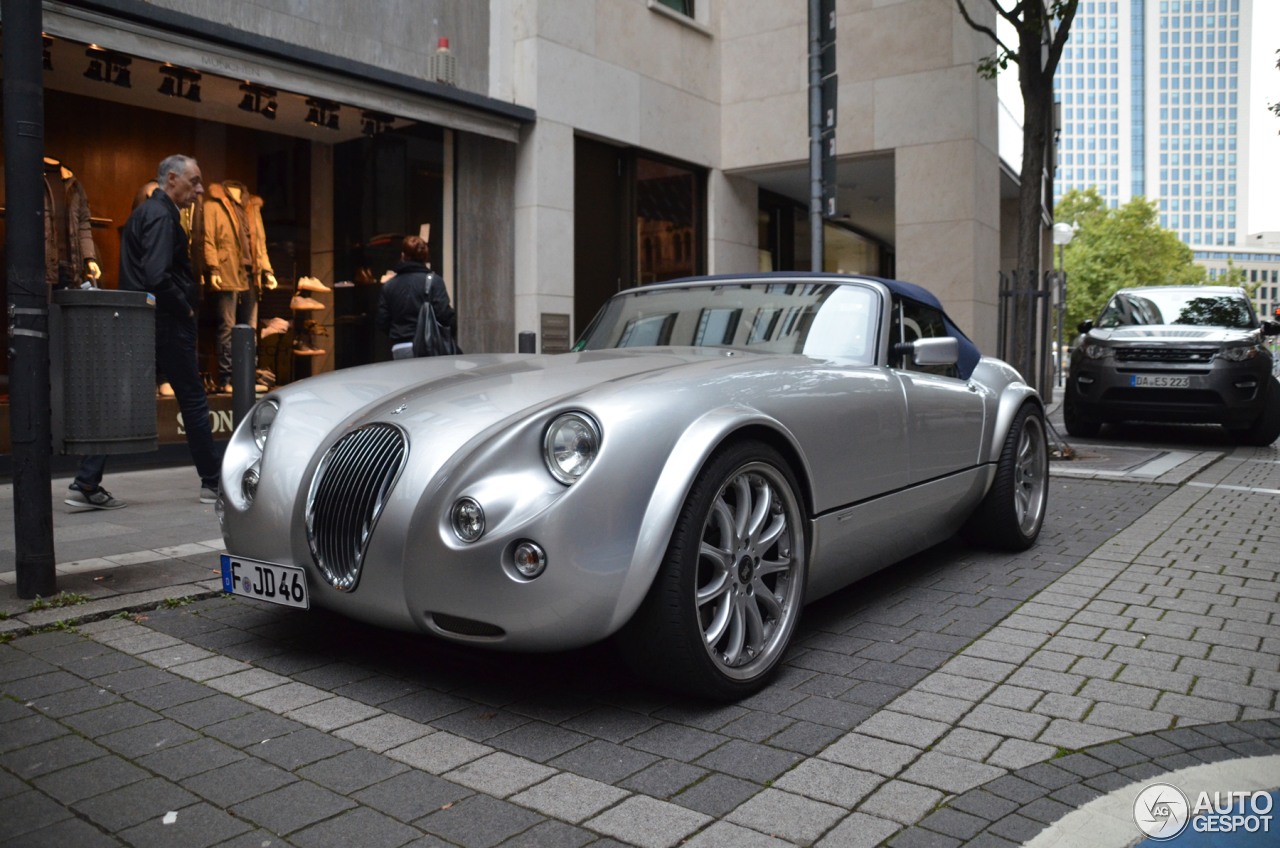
725	601
1076	425
1012	513
1266	427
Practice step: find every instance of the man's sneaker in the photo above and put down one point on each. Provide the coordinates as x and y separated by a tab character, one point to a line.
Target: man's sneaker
99	499
208	494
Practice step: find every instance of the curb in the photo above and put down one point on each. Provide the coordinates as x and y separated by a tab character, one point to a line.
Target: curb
1019	806
96	610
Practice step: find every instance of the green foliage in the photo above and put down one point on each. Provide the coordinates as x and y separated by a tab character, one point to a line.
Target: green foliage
6	638
62	599
4	616
1118	248
174	603
57	626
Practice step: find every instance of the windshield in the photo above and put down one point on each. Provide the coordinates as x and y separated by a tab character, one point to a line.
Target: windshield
1177	306
822	320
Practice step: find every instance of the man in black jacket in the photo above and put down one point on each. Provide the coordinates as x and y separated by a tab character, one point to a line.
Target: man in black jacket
403	296
154	258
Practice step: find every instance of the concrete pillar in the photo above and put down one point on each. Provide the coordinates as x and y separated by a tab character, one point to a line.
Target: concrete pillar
544	225
732	224
948	229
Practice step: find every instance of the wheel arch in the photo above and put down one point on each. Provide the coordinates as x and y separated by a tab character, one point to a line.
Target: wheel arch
1011	401
699	442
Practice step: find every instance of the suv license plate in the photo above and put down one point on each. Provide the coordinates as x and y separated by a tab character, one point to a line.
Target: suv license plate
1159	381
265	581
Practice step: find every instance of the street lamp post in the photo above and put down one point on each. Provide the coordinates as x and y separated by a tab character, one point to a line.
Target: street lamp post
1063	233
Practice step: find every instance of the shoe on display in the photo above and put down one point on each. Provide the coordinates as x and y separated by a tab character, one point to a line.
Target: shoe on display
312	284
165	390
208	494
97	499
301	302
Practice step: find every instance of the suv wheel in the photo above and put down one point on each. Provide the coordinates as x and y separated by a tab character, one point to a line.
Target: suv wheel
1266	427
1077	425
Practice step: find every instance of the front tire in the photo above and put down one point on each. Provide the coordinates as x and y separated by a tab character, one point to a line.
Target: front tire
1266	427
1012	513
1077	425
724	604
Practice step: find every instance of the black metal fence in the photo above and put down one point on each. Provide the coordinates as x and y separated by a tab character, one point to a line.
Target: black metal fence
1038	310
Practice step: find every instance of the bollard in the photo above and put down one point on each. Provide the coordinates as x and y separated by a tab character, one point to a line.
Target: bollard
528	343
244	363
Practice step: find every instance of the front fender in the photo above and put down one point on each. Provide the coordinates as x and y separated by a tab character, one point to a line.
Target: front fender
682	467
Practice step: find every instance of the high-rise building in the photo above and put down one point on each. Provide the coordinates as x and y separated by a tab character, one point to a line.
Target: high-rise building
1154	96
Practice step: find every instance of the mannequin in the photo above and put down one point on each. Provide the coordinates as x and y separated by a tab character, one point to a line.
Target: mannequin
71	259
235	257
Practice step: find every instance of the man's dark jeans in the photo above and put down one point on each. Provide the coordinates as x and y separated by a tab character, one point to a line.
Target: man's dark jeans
176	344
232	308
176	348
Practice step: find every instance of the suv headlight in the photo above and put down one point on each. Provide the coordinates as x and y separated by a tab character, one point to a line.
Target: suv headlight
570	446
1242	352
1093	351
260	420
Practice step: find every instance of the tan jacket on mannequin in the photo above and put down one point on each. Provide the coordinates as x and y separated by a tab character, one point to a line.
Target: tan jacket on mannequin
223	257
79	235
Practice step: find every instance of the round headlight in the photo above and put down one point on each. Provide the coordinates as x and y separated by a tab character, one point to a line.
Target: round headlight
260	421
468	519
570	446
530	559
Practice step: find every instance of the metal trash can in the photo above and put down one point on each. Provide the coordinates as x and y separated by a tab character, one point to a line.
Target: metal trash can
103	371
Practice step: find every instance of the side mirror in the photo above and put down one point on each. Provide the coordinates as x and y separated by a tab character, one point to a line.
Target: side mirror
1270	328
941	351
1084	327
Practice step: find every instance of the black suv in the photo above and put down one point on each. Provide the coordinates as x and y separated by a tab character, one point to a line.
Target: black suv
1194	355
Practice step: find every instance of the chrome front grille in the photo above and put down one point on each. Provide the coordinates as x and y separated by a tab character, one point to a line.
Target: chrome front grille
347	494
1165	354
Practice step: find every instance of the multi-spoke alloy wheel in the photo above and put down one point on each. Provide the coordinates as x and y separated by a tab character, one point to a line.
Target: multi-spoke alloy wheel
1030	475
1012	512
746	593
727	596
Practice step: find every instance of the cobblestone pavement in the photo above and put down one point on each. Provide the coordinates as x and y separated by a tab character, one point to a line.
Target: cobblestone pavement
1145	608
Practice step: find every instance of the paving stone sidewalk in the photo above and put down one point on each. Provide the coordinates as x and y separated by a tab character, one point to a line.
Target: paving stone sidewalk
253	723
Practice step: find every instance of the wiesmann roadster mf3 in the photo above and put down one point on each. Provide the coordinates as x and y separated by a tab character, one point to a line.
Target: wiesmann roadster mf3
713	454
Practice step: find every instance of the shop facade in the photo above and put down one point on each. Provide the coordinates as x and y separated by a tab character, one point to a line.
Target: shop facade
316	165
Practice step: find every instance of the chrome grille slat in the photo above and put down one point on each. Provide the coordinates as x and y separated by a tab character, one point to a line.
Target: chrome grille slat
348	492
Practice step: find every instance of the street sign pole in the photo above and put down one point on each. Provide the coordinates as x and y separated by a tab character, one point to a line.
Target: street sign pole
815	135
28	308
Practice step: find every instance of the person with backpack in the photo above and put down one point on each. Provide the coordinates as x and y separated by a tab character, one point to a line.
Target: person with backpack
404	295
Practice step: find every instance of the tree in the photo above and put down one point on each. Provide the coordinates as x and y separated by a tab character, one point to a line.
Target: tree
1042	27
1118	248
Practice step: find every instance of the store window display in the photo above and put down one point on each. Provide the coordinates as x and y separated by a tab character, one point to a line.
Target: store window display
236	261
70	257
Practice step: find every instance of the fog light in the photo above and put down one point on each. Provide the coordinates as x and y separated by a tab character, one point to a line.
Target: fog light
530	559
468	519
1085	380
249	484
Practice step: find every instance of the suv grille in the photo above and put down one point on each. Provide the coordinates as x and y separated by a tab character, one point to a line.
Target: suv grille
1165	354
347	495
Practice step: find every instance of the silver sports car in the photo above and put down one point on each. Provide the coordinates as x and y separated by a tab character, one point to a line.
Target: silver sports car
713	454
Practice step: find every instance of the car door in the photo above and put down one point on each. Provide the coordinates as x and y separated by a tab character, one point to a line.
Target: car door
944	413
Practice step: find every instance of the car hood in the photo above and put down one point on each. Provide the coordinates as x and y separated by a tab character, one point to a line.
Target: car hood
1172	334
451	399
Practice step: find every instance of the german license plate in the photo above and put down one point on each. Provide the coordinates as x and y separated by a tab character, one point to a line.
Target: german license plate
1159	381
265	581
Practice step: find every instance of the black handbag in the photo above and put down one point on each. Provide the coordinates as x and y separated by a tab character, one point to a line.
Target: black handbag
432	338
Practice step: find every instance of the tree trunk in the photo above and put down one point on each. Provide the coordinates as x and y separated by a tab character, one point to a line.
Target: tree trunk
1037	102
